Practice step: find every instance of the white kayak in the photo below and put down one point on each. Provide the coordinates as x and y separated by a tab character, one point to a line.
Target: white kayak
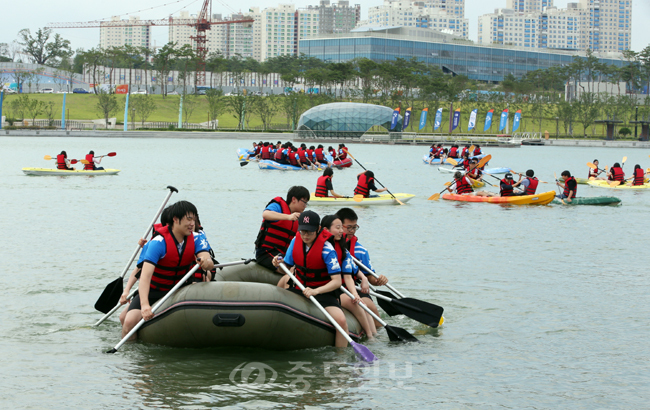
65	172
485	171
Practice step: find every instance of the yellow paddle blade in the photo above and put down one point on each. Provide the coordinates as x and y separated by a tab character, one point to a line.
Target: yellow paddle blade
434	197
442	320
591	165
606	167
452	161
348	152
358	198
240	157
447	183
592	178
624	159
83	161
47	157
614	183
484	161
471	149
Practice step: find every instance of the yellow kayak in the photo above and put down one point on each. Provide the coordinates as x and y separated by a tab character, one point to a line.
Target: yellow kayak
537	199
383	199
65	172
605	184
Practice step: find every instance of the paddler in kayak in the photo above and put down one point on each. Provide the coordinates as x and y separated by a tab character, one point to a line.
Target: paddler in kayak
279	225
312	257
366	183
453	152
462	185
324	185
93	162
616	173
477	150
638	177
506	187
594	173
168	258
527	184
570	186
62	162
474	172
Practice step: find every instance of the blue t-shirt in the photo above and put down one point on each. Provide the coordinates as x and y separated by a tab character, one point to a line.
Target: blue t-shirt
329	257
157	247
361	253
275	207
143	252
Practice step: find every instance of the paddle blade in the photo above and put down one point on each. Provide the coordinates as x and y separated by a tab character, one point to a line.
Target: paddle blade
243	164
363	352
424	312
47	157
110	296
240	157
386	305
397	334
452	161
592	165
358	198
614	183
471	149
83	161
111	154
624	159
592	178
484	161
434	197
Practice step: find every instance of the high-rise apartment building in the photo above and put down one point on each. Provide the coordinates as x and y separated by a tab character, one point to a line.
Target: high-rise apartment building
127	33
598	25
421	14
337	17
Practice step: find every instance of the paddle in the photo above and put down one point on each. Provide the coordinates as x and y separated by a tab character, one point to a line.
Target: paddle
424	312
155	307
110	154
514	187
593	166
243	164
519	173
558	187
480	164
364	168
133	292
362	351
111	294
623	162
395	334
369	271
72	161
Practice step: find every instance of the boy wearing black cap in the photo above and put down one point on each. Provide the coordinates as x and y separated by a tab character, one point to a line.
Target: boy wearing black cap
506	186
314	261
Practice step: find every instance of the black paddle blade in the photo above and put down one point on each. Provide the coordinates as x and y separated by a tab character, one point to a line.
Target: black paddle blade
110	296
243	164
386	305
397	334
424	312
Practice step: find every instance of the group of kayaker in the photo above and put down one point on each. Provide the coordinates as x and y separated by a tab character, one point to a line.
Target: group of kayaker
616	173
91	162
302	156
438	152
365	184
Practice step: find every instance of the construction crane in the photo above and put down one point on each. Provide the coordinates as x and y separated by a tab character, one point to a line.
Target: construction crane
201	24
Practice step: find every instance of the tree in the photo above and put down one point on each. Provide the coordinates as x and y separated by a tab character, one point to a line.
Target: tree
163	61
294	104
48	109
216	103
266	108
32	106
565	113
189	105
237	106
42	51
587	107
107	104
144	105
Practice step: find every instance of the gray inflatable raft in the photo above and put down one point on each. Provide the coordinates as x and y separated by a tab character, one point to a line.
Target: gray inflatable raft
242	308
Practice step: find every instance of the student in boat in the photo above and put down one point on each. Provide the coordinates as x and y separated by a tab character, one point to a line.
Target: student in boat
333	225
477	150
594	173
332	153
280	155
279	225
616	173
349	219
465	162
93	162
301	157
324	187
453	152
638	176
506	185
366	183
319	156
314	261
168	258
474	172
527	185
62	162
570	186
462	185
343	152
465	150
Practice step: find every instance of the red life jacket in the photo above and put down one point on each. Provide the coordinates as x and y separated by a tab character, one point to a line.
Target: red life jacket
60	162
593	173
618	174
477	151
311	269
532	186
310	154
462	153
639	176
266	152
171	268
291	157
453	152
343	154
506	187
319	155
351	241
437	152
302	154
321	188
465	164
475	173
463	186
566	187
90	164
362	186
274	237
258	149
332	153
278	155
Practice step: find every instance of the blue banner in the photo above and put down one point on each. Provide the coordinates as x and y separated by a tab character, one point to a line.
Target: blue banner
393	121
472	120
488	120
438	120
423	118
407	118
516	121
456	120
504	119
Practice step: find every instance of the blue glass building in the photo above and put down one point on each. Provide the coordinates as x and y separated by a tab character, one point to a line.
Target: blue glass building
478	62
344	120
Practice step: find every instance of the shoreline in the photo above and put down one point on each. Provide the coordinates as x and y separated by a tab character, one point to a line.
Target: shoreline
271	136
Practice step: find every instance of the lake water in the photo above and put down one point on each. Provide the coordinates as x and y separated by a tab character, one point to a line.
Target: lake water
545	307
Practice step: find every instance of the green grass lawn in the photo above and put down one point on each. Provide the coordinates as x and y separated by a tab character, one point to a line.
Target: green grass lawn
84	107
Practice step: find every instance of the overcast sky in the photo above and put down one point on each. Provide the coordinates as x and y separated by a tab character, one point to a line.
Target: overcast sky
43	12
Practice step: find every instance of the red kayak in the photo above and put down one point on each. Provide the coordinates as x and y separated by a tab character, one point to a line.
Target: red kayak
343	164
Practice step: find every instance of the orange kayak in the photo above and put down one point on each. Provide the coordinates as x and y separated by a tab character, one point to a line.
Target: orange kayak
537	199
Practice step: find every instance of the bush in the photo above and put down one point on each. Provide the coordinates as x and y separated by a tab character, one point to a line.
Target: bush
29	127
624	131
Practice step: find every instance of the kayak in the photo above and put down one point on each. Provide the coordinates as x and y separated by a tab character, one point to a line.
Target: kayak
243	152
383	199
65	172
590	200
242	308
583	181
269	164
437	161
340	164
605	184
537	199
486	171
